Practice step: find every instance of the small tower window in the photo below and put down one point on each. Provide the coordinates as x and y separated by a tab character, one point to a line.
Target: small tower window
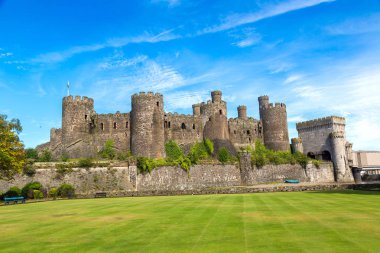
183	126
234	131
248	132
85	116
102	126
114	125
209	119
158	103
169	124
220	112
193	126
165	124
126	124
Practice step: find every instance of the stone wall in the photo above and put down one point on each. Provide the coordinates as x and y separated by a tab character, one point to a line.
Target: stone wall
86	182
200	176
122	181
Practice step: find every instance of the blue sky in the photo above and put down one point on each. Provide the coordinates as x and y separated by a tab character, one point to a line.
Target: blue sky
320	57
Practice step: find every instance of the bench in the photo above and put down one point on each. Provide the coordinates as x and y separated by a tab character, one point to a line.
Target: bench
100	195
292	181
15	200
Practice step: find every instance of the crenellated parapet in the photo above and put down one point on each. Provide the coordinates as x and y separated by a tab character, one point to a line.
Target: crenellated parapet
321	122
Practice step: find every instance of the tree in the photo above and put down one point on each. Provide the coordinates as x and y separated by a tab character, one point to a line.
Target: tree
12	156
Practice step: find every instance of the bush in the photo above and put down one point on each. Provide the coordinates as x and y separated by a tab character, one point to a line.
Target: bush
66	190
209	145
223	155
85	163
316	163
53	193
29	170
31	153
27	190
37	194
45	156
108	151
172	150
198	152
184	163
64	157
14	191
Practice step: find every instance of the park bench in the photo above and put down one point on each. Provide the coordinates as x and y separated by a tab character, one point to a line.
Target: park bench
292	181
15	200
100	195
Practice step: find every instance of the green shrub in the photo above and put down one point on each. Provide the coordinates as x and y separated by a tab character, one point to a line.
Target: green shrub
184	163
85	163
262	156
147	165
27	190
64	157
53	193
45	156
209	145
198	152
172	150
316	163
37	194
14	191
29	170
31	153
66	190
108	151
223	155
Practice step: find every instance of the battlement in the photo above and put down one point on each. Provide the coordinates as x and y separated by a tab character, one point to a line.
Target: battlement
148	94
325	121
275	105
78	99
296	140
196	105
336	135
249	119
178	115
264	97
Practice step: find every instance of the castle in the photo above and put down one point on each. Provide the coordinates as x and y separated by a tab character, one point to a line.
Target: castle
145	130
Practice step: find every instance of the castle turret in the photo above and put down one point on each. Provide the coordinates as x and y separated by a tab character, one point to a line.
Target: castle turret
242	112
339	157
196	109
76	119
275	124
147	125
216	96
297	145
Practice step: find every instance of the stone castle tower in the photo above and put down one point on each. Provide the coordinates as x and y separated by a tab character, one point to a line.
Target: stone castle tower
147	125
325	139
275	124
145	130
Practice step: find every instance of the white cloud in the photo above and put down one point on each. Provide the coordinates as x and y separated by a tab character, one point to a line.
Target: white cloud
347	89
267	12
293	78
60	56
7	54
356	26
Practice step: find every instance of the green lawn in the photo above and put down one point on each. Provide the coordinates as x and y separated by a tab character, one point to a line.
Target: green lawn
267	222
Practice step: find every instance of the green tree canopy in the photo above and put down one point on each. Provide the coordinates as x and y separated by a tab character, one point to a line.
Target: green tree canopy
12	156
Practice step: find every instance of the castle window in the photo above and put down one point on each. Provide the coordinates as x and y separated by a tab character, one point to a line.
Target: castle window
85	116
248	132
234	131
249	139
169	124
165	124
193	126
126	124
183	126
102	126
158	103
209	119
114	125
220	112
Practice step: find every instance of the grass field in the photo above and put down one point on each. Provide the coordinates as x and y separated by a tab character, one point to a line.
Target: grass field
268	222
